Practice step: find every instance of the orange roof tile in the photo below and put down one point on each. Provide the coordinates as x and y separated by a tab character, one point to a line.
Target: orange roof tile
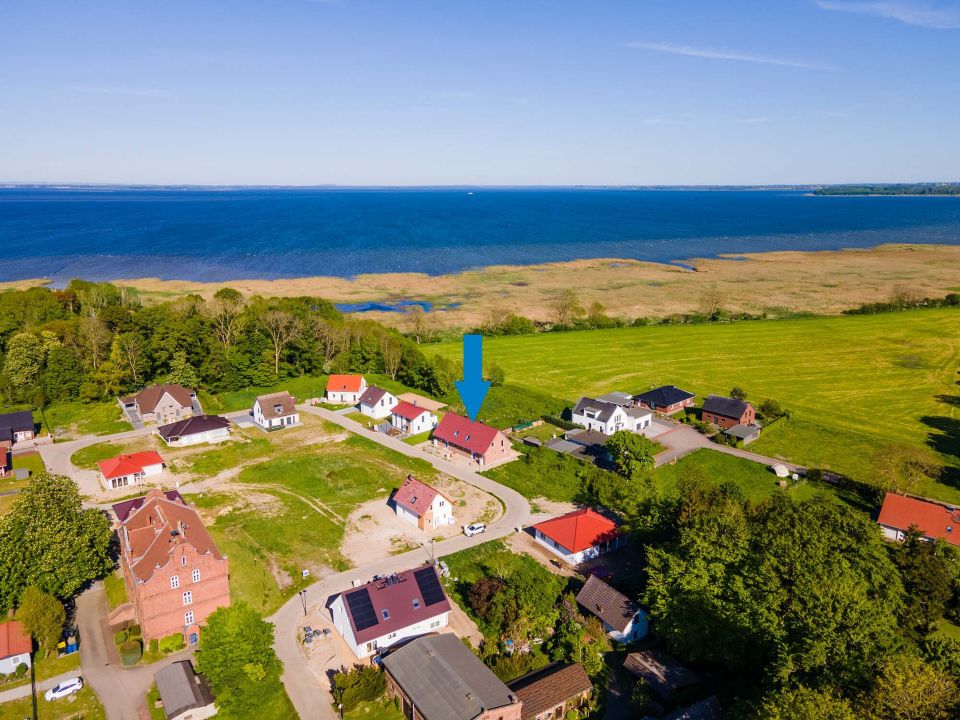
14	640
933	520
579	530
344	383
128	464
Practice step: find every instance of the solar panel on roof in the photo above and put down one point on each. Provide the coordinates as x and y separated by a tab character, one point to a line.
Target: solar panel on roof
429	586
361	608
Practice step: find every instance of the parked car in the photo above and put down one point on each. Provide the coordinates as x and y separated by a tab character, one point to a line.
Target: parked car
64	688
474	529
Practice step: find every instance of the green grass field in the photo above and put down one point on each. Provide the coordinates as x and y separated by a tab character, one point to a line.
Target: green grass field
852	382
77	418
80	706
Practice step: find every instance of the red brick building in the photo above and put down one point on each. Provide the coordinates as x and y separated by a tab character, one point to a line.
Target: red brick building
174	573
481	443
726	412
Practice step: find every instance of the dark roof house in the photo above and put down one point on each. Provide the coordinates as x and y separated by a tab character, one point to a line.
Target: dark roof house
444	680
192	426
708	709
727	412
665	398
663	674
182	690
12	423
554	686
372	395
613	607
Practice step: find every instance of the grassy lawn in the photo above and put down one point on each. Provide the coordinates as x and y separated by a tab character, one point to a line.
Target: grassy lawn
47	667
874	378
417	439
301	388
756	481
77	418
949	629
116	589
32	462
513	403
364	420
88	457
543	432
270	535
79	706
382	709
541	472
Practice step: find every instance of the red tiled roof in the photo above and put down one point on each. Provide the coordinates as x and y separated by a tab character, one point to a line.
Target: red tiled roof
409	411
467	434
128	464
152	532
395	594
579	530
14	640
933	520
415	496
344	383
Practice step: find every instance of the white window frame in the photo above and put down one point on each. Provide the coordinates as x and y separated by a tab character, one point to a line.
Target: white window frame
174	582
195	575
188	618
187	597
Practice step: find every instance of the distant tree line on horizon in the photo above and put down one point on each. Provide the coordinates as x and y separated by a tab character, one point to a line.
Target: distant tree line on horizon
892	189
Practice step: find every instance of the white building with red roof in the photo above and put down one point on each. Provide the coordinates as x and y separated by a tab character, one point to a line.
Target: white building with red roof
578	536
15	646
934	521
345	389
412	419
419	504
388	610
125	470
481	443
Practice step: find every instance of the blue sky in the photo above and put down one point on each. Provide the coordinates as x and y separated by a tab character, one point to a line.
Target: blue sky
411	92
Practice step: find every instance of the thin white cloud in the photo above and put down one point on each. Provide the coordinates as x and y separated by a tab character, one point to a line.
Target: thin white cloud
924	13
712	54
121	91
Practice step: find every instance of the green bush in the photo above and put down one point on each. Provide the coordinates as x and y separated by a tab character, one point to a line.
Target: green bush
171	643
133	631
154	646
22	669
120	637
361	683
130	653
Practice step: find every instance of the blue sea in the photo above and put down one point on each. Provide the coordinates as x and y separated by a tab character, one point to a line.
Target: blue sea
221	234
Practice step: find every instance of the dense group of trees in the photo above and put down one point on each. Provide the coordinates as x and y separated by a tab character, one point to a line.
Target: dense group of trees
92	341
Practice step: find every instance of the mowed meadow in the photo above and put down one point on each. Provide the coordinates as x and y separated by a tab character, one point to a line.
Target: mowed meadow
852	383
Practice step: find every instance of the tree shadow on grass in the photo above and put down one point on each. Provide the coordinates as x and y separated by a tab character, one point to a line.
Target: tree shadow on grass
945	439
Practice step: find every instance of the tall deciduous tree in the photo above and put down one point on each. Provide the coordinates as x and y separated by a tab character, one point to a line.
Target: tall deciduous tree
803	703
182	372
907	688
227	316
43	616
236	655
632	453
282	328
900	469
566	307
48	540
24	360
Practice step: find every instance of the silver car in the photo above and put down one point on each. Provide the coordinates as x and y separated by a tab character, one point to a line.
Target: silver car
64	688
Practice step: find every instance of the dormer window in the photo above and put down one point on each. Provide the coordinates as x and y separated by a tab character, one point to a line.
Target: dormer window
416	604
385	613
278	409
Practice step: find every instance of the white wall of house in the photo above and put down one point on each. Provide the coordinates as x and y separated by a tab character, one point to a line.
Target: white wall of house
424	422
210	436
636	629
9	664
341	621
571	557
382	409
132	479
279	422
441	513
337	397
207	711
619	420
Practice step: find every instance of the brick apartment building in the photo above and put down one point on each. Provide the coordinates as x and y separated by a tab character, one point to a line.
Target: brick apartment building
174	573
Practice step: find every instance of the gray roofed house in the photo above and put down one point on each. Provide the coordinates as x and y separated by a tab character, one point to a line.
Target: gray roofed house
746	433
196	429
663	674
708	709
602	409
184	694
444	680
617	398
564	447
622	618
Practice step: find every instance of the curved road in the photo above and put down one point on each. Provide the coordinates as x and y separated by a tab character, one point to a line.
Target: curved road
308	697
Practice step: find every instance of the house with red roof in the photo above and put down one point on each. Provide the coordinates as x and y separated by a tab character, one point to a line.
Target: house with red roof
481	443
174	573
578	536
345	389
934	521
410	419
125	470
15	646
387	610
419	504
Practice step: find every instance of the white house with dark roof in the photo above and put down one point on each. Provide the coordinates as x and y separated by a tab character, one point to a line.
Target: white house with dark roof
623	620
275	411
377	403
388	610
608	417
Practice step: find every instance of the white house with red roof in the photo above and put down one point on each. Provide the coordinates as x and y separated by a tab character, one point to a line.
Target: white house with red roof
412	419
481	443
345	389
125	470
934	521
578	536
377	403
15	646
388	610
419	504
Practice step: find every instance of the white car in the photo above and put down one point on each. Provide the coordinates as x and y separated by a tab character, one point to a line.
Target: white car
475	529
64	688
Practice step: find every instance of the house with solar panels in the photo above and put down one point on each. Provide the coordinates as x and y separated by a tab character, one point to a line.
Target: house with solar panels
389	610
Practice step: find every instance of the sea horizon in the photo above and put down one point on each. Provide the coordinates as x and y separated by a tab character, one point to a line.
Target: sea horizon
220	233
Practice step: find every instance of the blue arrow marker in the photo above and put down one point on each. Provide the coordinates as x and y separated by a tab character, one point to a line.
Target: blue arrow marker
473	388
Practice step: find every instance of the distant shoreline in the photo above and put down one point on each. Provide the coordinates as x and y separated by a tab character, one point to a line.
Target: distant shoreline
772	283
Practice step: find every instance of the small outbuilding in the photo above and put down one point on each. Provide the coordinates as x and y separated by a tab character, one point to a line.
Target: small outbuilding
781	471
184	693
663	674
623	620
744	433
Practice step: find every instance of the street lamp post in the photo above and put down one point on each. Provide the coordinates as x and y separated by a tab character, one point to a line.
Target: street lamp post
303	599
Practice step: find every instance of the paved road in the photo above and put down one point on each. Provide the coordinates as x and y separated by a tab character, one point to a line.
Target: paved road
121	690
24	690
308	697
683	440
